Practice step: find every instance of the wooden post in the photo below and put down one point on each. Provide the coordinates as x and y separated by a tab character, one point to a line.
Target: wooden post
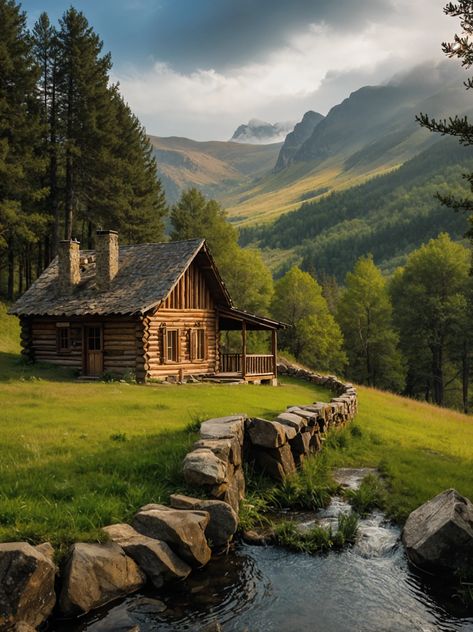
243	353
274	345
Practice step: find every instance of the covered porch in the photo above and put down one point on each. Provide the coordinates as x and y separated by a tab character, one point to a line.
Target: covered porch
251	367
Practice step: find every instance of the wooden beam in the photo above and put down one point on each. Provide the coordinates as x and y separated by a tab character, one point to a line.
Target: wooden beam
274	346
243	352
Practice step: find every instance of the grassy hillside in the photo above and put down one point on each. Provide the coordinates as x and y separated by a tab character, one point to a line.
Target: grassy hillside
78	456
388	216
213	166
421	449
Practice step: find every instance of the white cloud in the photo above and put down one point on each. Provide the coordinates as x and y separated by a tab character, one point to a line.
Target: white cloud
314	70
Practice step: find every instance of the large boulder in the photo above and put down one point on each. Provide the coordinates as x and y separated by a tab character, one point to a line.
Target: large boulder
26	585
159	563
223	521
96	574
203	467
183	530
439	533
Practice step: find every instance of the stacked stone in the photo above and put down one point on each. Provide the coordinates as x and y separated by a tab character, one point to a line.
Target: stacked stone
215	463
163	545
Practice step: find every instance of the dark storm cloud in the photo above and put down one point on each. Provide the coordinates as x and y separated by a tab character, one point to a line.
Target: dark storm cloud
191	34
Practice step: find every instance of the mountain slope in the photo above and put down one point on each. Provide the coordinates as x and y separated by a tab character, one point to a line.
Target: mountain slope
295	139
370	133
213	166
388	216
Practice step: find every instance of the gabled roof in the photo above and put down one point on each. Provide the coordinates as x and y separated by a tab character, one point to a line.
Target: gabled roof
146	275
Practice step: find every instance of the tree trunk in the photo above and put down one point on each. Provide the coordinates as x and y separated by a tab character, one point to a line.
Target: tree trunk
465	376
53	188
69	197
11	270
437	374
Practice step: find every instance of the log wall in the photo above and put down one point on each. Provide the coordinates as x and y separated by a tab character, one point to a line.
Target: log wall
155	363
122	343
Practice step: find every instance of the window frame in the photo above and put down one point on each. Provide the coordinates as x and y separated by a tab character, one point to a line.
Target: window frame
198	347
166	346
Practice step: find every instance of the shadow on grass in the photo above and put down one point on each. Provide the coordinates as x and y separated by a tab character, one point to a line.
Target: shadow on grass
14	367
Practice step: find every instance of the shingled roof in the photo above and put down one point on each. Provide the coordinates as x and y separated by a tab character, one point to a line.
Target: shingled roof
146	275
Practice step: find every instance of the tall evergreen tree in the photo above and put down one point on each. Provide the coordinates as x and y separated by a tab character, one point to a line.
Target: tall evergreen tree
365	317
45	49
84	110
313	336
20	140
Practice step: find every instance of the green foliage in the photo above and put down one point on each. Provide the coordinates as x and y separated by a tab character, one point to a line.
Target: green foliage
370	495
73	157
388	216
431	310
365	317
246	276
317	539
313	336
253	511
311	487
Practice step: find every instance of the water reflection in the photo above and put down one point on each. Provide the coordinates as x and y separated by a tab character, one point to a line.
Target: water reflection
367	588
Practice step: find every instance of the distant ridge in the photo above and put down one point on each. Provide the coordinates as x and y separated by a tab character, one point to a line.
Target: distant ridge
261	132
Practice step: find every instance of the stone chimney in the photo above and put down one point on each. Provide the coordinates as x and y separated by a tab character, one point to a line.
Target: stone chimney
106	258
69	265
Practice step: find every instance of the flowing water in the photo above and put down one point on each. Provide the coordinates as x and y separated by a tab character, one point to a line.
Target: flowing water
366	588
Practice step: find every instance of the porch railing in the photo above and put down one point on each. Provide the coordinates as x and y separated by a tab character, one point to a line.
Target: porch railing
255	364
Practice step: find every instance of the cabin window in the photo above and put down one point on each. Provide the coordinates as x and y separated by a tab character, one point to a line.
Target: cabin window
63	339
198	344
172	345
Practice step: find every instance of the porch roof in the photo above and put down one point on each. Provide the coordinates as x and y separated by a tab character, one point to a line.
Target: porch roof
232	319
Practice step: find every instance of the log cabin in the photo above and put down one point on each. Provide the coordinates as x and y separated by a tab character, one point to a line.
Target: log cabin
156	311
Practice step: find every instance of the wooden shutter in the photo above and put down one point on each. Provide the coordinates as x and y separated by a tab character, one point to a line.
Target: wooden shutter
164	345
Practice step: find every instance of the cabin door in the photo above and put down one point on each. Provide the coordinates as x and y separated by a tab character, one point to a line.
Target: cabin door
94	350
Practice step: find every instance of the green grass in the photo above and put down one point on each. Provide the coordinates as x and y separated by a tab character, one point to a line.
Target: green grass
77	456
419	449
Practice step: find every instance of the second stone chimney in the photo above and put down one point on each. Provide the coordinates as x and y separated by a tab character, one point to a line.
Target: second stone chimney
106	258
69	265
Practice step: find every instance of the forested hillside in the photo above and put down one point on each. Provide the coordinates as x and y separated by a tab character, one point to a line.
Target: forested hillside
388	216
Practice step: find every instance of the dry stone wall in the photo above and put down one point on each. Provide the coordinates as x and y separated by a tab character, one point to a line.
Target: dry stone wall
164	544
276	447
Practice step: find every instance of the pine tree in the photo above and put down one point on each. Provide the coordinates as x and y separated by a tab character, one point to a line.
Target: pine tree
313	336
20	143
457	126
45	49
365	317
84	107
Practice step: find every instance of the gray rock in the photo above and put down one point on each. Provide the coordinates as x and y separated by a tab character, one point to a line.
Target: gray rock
224	427
278	463
183	530
310	417
159	563
439	533
26	585
203	467
227	449
96	574
291	419
267	434
223	521
301	443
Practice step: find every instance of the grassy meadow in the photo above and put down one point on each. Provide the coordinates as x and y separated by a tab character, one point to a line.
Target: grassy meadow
420	449
76	456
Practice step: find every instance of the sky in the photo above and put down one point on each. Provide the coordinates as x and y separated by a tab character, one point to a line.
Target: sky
200	68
